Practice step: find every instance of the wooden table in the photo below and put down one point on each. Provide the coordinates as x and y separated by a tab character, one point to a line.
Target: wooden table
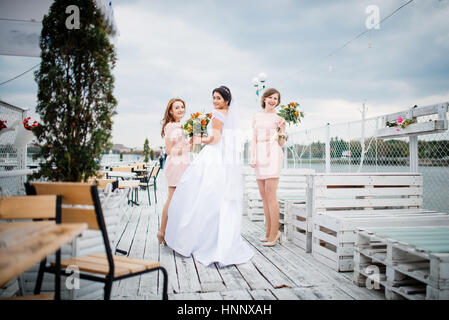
120	174
23	244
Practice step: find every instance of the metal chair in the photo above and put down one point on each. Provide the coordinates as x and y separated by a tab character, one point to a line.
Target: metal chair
104	267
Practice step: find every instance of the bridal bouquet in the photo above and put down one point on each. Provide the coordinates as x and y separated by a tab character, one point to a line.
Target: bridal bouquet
197	125
291	114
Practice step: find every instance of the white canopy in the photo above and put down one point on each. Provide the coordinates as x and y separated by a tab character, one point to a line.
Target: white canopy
21	24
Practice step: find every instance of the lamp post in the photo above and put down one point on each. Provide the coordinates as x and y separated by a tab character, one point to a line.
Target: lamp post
259	83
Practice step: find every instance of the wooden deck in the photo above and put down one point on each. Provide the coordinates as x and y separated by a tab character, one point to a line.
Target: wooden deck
281	272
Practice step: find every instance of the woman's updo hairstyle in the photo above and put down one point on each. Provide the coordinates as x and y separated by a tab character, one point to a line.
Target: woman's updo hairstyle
225	93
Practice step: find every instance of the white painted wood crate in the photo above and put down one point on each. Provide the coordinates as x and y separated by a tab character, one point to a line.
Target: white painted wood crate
291	182
90	241
334	234
10	289
285	203
335	195
411	273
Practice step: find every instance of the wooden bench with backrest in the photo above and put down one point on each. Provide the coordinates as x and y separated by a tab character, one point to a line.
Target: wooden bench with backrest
80	203
342	202
28	208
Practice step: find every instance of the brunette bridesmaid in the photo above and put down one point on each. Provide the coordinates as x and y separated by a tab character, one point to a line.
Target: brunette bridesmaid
266	159
177	149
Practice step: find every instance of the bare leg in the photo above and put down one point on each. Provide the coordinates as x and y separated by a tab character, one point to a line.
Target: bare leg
261	185
164	217
273	205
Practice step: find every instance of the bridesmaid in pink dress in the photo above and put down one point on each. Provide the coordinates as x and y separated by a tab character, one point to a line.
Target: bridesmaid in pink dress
177	149
266	159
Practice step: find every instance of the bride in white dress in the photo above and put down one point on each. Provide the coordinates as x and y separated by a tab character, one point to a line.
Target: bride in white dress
205	213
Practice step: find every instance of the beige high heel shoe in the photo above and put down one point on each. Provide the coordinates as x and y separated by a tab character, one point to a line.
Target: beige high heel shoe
273	243
160	238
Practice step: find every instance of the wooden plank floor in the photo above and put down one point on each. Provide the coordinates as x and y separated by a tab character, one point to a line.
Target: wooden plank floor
281	272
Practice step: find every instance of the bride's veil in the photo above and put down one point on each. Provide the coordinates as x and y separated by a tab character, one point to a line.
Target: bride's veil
232	152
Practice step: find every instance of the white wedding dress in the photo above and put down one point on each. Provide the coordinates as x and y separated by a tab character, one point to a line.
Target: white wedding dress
205	212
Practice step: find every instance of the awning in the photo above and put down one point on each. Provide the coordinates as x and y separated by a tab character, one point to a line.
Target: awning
21	24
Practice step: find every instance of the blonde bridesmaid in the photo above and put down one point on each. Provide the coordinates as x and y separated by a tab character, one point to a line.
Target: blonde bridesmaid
267	158
177	149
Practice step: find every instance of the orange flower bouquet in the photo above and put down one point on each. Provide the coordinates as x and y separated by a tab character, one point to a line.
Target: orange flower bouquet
291	114
197	125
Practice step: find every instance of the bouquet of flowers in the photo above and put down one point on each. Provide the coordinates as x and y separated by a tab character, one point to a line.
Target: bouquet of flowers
402	123
197	125
291	114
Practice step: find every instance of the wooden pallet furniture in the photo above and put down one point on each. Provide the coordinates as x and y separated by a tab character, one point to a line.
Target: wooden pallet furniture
414	130
292	184
414	260
334	234
418	128
341	200
298	215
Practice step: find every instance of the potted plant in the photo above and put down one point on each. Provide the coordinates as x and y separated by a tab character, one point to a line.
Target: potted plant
75	93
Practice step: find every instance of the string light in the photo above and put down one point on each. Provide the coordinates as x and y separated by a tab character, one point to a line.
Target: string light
4	82
348	42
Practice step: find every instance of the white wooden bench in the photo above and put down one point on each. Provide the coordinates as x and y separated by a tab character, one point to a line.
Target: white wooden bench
292	184
297	212
344	201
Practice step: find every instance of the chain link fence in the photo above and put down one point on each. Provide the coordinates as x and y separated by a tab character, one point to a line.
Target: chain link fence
12	159
354	147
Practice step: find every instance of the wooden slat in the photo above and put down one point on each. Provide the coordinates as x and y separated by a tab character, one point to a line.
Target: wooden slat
72	192
28	207
76	215
374	180
356	203
15	259
122	169
133	268
122	184
121	259
89	266
354	192
102	183
12	234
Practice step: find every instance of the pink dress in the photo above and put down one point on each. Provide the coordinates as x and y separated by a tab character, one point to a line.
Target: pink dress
176	164
266	152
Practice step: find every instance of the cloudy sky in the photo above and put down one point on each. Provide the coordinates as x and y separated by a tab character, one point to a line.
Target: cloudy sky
186	48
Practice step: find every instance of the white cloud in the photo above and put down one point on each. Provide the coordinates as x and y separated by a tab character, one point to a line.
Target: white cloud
162	57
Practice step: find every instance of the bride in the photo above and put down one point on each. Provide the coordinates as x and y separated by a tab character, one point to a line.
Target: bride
204	216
